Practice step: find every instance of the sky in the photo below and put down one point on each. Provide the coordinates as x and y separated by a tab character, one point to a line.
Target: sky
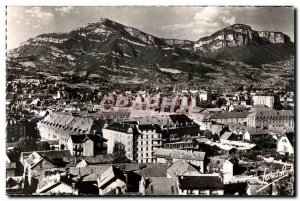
189	23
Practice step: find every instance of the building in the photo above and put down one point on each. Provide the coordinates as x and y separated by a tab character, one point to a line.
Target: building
86	145
203	96
229	117
121	136
57	184
195	158
112	182
255	134
149	137
59	126
137	141
200	185
15	130
41	160
271	119
263	100
179	127
285	146
15	185
161	186
237	108
182	168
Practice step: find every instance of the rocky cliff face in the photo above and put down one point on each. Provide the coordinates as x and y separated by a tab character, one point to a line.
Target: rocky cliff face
238	35
274	37
109	49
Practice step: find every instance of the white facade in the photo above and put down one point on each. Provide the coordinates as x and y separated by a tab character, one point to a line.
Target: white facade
124	138
227	170
146	143
263	100
284	146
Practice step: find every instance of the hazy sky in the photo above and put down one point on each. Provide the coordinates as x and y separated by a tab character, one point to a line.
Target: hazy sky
189	23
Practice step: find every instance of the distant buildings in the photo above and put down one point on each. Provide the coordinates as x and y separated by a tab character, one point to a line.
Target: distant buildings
86	145
229	117
272	118
263	100
15	130
59	126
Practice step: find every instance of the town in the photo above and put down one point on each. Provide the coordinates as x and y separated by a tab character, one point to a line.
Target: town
77	138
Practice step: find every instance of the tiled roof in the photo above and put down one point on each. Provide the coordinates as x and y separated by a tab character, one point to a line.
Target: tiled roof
180	167
68	122
226	135
147	127
121	127
229	115
179	154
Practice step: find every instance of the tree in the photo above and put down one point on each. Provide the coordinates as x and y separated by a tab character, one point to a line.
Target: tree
119	153
41	146
26	144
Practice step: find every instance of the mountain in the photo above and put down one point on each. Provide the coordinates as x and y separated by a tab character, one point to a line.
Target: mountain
120	53
240	42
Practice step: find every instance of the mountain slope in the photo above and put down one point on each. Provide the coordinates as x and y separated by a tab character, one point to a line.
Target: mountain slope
117	52
240	42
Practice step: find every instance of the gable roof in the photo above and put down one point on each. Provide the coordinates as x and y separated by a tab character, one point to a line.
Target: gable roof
226	135
82	138
180	167
45	184
110	175
200	182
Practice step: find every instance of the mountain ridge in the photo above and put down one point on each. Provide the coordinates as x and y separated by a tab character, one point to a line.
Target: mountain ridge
112	49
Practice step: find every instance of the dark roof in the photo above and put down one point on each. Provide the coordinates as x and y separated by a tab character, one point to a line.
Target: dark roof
181	119
226	135
147	127
229	115
121	127
200	182
117	174
291	137
84	138
49	153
